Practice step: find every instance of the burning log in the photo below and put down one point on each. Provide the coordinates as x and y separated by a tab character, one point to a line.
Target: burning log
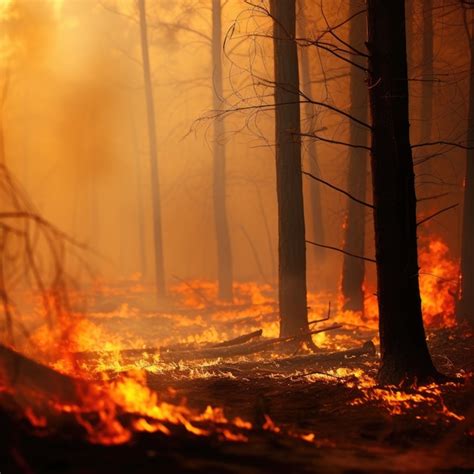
237	350
29	378
367	349
134	353
240	339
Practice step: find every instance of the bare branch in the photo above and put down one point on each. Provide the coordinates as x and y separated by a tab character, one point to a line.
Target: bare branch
426	219
329	185
442	142
334	142
367	259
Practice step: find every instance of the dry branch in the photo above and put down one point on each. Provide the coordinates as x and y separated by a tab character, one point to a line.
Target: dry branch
294	362
236	351
179	348
240	339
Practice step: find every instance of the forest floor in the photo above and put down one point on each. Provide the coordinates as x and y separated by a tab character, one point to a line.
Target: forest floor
319	417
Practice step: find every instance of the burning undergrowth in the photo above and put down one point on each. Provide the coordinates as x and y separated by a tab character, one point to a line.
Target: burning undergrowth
102	371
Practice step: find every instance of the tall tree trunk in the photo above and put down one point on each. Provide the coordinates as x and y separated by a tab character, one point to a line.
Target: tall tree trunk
224	251
139	197
155	183
465	309
353	269
427	76
404	352
409	20
314	188
291	227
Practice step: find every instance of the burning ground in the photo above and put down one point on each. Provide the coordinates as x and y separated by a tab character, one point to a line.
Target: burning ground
201	387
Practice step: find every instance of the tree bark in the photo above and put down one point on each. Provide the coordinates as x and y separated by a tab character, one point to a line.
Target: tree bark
353	269
409	20
139	197
427	76
291	225
224	251
465	307
155	182
314	188
404	353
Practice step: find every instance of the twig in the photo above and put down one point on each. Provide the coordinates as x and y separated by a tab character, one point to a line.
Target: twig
329	185
367	259
240	339
436	214
442	142
324	319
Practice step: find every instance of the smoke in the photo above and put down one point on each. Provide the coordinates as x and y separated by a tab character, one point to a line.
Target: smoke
75	131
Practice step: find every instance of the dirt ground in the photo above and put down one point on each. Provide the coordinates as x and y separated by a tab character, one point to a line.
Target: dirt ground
355	426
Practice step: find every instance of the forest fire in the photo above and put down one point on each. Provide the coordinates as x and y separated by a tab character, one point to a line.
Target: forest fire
175	177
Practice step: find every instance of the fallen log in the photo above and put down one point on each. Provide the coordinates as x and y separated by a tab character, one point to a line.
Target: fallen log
240	339
368	348
134	353
30	379
236	351
294	362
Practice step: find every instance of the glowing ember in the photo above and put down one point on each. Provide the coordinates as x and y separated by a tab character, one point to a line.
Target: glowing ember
398	402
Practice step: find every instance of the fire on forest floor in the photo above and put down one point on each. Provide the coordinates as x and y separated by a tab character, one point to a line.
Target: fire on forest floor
122	377
328	416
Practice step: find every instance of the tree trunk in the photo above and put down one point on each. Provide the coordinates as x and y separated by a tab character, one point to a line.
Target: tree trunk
139	197
465	309
427	76
291	227
155	183
409	20
314	188
353	269
224	251
404	352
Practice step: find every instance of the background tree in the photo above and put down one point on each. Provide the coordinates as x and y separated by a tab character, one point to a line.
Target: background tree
224	252
404	352
465	307
291	225
314	188
353	269
155	183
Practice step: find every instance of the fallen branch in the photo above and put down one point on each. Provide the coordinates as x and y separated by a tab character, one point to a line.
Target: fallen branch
315	321
240	339
236	351
367	349
179	348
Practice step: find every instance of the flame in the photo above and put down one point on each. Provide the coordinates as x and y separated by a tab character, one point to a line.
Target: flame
398	402
439	276
199	320
438	283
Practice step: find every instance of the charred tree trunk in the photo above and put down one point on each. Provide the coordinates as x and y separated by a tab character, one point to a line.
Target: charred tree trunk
155	182
409	14
404	352
465	309
291	226
427	74
353	269
314	188
224	251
